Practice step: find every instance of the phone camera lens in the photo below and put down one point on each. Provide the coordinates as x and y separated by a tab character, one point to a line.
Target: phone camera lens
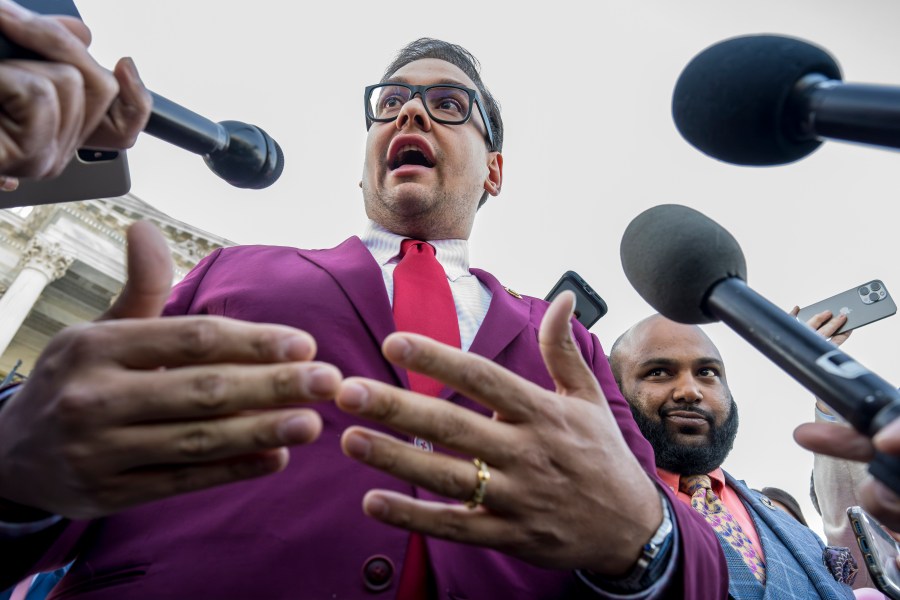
874	297
875	286
90	155
864	291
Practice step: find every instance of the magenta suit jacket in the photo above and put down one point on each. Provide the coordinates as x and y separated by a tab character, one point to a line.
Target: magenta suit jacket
301	533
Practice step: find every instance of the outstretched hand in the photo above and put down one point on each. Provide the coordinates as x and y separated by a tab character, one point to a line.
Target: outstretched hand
838	440
565	490
135	408
843	442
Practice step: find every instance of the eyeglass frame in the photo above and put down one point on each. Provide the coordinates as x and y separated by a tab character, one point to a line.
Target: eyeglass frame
419	90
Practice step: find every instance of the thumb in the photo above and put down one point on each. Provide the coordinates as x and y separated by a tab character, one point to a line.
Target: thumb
150	273
561	356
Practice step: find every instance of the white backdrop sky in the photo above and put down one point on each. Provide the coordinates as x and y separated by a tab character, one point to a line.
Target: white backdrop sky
585	90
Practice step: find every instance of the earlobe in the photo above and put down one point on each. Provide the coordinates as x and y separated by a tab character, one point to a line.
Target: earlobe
495	174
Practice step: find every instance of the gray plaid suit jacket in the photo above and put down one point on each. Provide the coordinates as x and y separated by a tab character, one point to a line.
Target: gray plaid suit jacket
793	554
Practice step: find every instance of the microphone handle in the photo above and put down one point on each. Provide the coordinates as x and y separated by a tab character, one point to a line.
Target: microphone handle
864	399
186	129
855	112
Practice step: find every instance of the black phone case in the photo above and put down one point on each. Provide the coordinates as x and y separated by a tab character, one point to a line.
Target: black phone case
589	306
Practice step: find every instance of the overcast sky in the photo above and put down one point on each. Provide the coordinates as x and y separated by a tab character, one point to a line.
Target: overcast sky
585	90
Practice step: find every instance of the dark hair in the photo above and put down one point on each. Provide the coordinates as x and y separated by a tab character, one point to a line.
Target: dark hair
460	57
779	495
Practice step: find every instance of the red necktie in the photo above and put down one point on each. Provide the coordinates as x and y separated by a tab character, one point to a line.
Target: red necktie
423	304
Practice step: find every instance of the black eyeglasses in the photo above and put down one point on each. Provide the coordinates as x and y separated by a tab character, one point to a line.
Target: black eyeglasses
444	103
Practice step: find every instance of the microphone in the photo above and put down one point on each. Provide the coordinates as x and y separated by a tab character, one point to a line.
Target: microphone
243	155
765	100
691	270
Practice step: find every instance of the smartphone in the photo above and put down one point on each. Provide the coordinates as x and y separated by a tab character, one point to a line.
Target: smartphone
91	173
589	306
879	551
863	304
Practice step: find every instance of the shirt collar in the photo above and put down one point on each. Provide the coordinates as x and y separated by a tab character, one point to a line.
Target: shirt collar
717	477
385	247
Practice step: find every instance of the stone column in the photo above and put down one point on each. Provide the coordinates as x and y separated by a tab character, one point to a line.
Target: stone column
41	263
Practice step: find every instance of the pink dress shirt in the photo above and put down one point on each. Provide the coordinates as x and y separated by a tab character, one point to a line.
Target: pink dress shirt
727	495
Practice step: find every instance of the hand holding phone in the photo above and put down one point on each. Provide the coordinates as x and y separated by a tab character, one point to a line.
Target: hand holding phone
40	136
879	551
589	306
862	305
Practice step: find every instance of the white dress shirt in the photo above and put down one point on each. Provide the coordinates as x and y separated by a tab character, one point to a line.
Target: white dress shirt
471	297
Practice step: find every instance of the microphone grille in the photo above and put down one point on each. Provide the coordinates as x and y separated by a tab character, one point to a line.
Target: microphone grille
674	255
730	100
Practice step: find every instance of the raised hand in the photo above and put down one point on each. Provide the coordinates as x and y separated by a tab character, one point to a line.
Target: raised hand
565	491
136	407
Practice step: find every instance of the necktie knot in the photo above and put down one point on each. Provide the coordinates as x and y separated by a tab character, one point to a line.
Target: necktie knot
689	484
417	246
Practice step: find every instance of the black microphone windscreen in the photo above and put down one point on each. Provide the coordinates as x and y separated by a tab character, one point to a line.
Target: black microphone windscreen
730	100
674	255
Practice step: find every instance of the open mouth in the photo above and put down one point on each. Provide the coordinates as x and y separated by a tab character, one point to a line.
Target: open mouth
410	152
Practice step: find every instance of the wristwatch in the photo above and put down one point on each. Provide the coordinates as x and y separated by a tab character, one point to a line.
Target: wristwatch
650	565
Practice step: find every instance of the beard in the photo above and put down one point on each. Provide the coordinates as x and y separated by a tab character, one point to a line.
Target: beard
686	459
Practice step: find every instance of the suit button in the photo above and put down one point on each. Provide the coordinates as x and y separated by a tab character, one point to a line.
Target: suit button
378	573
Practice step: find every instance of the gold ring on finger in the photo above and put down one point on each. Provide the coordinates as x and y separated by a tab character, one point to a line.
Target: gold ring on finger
484	476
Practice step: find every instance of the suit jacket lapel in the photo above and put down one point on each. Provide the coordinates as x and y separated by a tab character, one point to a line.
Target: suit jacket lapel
353	268
506	317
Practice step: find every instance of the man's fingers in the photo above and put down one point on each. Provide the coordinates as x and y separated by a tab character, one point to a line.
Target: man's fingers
561	355
8	184
443	474
30	118
888	439
183	341
437	421
205	392
208	440
474	376
881	502
150	273
55	40
77	27
144	485
834	439
435	519
128	114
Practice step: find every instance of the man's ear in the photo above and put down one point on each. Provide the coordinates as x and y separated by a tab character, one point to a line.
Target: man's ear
495	173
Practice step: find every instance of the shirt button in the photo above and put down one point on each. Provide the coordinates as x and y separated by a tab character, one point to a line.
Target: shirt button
378	573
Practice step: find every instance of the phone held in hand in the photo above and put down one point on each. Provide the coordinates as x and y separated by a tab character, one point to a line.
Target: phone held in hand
879	551
862	304
91	173
589	306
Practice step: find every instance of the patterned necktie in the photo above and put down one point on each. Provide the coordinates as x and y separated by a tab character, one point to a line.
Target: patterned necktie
423	304
705	502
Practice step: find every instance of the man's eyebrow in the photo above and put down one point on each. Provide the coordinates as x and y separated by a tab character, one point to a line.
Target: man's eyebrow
668	362
657	362
709	360
440	82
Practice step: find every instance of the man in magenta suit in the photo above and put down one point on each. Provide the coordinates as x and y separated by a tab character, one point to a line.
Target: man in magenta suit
122	418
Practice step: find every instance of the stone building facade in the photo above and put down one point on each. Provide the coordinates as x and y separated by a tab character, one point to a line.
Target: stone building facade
62	264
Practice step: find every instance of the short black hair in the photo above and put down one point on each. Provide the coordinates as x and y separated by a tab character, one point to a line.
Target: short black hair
467	63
